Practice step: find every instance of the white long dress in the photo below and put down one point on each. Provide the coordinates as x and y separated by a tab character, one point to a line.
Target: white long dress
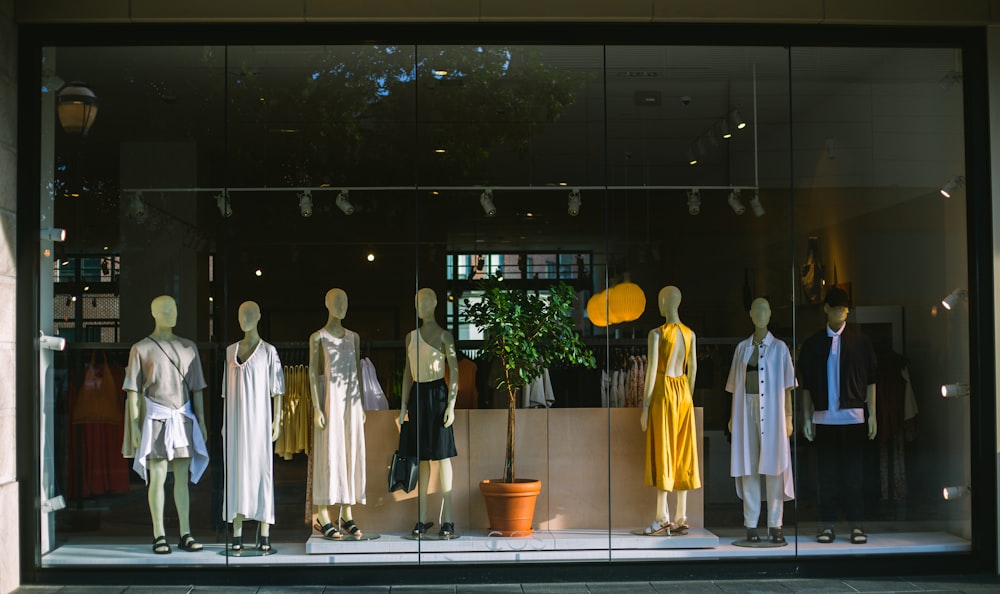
247	388
339	450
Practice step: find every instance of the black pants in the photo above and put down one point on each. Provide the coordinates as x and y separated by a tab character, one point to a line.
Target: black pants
840	457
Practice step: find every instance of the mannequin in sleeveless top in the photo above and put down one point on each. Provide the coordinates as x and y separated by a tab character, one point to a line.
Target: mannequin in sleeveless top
336	305
669	301
437	337
164	312
249	316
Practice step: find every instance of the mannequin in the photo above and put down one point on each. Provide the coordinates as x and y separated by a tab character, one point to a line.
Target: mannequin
429	348
165	428
834	407
761	380
252	383
668	415
339	417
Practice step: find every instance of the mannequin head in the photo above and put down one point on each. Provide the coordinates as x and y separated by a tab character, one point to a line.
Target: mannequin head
669	299
249	315
426	301
336	303
760	313
836	306
164	310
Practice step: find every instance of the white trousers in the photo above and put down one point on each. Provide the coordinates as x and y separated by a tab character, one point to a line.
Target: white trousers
750	484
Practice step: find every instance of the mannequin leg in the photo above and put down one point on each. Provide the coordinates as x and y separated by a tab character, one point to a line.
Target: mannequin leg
775	499
446	476
680	513
423	483
345	513
265	529
182	500
238	526
155	495
751	500
323	514
662	507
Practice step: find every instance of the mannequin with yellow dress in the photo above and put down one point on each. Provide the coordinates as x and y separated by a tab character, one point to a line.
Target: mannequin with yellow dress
668	416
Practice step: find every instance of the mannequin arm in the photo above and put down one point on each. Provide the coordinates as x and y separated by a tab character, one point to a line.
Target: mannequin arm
133	419
789	426
198	404
452	360
407	384
319	419
807	415
872	418
692	363
652	359
361	383
278	408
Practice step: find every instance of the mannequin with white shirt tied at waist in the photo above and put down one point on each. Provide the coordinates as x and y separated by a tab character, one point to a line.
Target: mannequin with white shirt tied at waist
429	349
668	416
165	419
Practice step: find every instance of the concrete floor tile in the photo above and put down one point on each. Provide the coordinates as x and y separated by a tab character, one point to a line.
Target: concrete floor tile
489	588
817	585
694	587
751	586
574	588
893	584
622	588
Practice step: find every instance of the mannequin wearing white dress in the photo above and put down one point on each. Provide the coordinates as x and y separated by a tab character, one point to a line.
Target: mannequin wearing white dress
335	381
253	384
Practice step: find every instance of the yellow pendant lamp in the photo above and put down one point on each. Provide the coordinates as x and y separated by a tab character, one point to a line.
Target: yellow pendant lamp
597	309
627	302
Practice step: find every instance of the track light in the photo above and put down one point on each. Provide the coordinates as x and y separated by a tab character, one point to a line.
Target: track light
954	298
736	203
54	234
724	130
950	493
573	204
51	343
736	119
692	159
755	205
486	200
953	184
306	203
222	202
499	273
955	390
344	203
694	202
138	206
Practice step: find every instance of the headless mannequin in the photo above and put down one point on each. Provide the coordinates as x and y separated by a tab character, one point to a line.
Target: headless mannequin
760	315
432	333
336	306
249	316
164	312
669	300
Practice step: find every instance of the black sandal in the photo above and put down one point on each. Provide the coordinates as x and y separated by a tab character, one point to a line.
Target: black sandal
858	536
351	528
752	535
826	536
237	543
265	544
329	530
189	544
776	535
160	546
447	530
421	528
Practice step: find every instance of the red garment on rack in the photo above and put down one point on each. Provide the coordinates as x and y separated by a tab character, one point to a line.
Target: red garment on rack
93	450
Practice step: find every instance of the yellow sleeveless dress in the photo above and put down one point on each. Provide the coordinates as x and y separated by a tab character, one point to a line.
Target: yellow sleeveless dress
671	442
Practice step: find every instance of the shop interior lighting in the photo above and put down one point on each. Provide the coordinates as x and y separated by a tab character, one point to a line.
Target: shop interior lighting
692	159
486	201
736	119
755	205
499	273
736	203
950	493
138	206
573	203
955	390
224	205
54	234
344	203
954	298
76	106
306	203
724	130
952	186
51	343
694	202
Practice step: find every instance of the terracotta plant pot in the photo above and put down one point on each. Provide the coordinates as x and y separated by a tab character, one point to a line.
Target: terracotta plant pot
510	506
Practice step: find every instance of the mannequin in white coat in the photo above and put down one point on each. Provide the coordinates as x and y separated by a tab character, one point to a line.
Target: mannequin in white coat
165	387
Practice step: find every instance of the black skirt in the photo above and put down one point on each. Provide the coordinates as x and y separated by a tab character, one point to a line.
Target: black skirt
433	440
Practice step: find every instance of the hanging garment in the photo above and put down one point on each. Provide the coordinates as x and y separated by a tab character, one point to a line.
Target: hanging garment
248	388
99	399
374	396
538	394
93	458
338	456
468	395
296	414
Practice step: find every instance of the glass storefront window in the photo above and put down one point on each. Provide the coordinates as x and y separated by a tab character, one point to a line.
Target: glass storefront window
661	183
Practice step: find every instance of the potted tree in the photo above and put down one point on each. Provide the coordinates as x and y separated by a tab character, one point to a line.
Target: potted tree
526	333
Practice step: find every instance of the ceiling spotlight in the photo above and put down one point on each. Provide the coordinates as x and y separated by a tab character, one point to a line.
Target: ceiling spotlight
499	273
724	130
736	119
755	205
953	184
306	203
954	298
344	203
736	203
692	159
573	204
694	202
370	257
138	206
486	200
222	202
955	390
54	234
958	492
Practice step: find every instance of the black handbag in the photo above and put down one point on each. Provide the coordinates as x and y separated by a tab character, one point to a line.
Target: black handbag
404	468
